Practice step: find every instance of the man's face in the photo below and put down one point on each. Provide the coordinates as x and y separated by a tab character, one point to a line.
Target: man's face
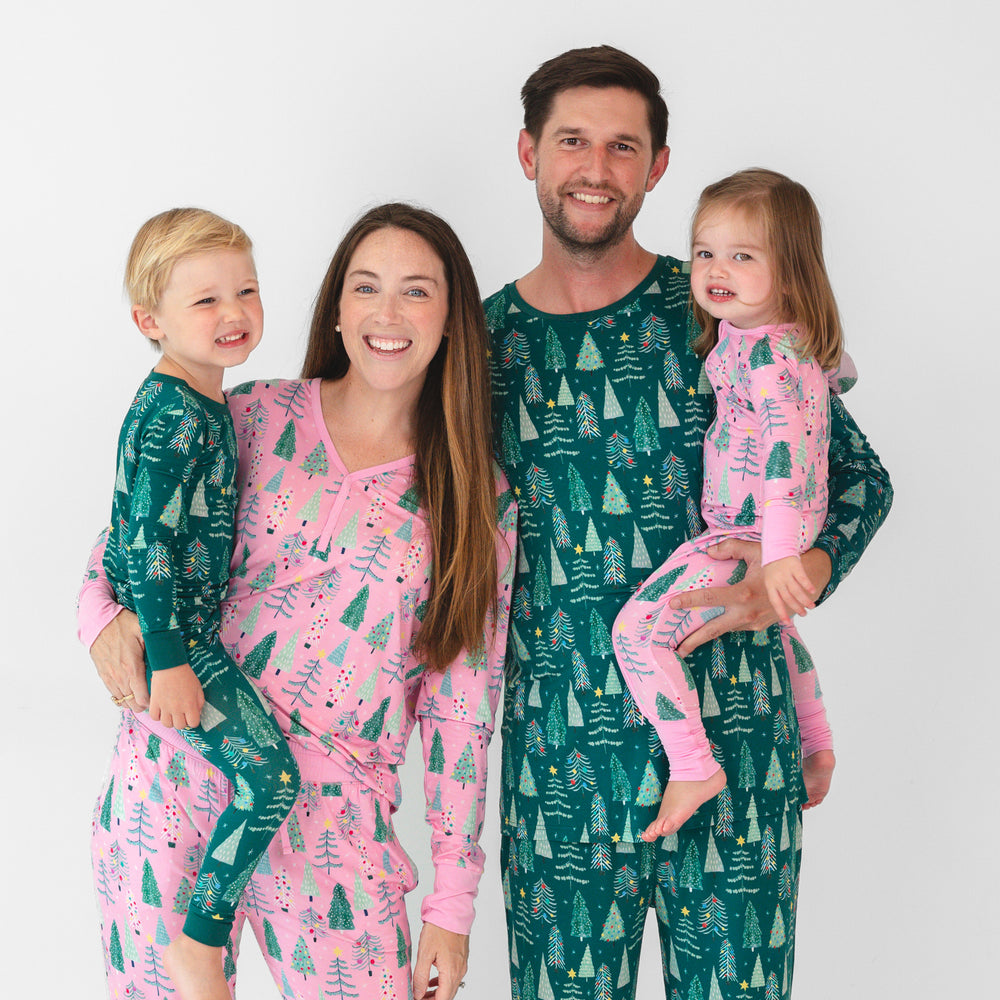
592	166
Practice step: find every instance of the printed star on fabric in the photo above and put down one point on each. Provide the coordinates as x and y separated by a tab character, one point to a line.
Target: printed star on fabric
646	481
615	838
675	270
523	893
553	769
732	679
551	404
517	491
599	692
740	840
284	777
691	390
571	973
684	911
538	633
578	549
744	985
624	338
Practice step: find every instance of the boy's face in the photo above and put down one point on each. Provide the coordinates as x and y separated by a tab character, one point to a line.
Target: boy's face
209	317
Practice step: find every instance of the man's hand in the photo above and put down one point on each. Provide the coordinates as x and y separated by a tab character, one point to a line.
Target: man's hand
448	952
747	605
177	698
117	653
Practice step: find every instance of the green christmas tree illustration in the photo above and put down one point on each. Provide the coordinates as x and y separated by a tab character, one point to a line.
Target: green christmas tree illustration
354	613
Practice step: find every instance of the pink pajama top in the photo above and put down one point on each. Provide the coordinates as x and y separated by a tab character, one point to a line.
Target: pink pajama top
330	572
765	464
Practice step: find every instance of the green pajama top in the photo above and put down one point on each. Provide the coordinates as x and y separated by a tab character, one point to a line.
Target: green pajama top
600	420
171	535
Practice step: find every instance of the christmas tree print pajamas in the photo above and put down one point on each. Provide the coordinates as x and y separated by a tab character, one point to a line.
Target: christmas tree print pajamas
167	558
329	576
764	479
600	420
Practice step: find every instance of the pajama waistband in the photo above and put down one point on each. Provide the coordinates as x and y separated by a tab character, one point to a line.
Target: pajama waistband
319	768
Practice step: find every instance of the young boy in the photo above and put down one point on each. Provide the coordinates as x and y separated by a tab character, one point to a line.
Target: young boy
193	288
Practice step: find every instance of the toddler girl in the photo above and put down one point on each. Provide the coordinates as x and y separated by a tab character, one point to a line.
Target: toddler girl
770	330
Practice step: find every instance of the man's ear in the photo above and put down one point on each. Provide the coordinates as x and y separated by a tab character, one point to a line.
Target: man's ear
146	322
526	153
658	168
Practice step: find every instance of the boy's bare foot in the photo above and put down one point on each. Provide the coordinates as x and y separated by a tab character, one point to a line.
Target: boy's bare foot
817	772
680	801
196	969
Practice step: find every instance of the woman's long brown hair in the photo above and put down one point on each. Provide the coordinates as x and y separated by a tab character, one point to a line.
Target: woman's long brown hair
454	464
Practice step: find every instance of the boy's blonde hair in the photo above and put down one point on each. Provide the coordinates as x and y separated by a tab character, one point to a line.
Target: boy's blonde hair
165	239
793	239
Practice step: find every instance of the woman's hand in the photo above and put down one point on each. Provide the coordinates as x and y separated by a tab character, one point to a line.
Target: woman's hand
117	653
747	605
448	952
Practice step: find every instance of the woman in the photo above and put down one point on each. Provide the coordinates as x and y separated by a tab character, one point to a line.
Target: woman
352	482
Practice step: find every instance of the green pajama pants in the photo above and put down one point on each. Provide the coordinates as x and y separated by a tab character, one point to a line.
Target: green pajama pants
239	736
725	909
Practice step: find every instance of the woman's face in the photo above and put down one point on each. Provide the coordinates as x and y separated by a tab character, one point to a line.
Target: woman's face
393	313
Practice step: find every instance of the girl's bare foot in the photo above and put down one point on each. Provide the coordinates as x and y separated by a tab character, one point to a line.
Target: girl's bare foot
680	801
196	969
817	772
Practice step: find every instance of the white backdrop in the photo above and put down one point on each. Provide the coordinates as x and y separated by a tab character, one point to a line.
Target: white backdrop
290	119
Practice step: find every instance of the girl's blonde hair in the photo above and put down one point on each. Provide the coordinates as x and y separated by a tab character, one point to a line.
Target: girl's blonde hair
165	239
792	236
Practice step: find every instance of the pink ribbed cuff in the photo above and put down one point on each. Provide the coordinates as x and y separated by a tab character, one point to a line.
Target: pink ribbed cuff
450	905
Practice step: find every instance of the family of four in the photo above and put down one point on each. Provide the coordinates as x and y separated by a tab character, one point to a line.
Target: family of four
454	502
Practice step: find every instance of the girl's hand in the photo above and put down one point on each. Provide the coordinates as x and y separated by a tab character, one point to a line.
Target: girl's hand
788	588
177	698
117	653
449	953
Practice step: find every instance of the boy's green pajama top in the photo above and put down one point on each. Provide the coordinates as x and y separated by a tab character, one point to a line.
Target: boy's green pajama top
600	420
167	557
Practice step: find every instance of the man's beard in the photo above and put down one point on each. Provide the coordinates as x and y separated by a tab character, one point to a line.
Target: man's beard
589	244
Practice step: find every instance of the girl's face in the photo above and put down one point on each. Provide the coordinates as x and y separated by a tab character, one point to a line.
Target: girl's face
393	313
732	275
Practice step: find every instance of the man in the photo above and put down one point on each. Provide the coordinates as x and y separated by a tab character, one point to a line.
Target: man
600	412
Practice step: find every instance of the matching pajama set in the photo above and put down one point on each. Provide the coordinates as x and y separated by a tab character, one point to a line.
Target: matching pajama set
167	557
600	421
764	479
329	576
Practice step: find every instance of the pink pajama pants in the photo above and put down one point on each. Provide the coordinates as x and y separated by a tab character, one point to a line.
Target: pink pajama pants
326	902
647	632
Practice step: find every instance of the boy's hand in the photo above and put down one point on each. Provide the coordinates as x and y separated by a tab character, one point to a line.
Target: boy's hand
788	587
176	698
